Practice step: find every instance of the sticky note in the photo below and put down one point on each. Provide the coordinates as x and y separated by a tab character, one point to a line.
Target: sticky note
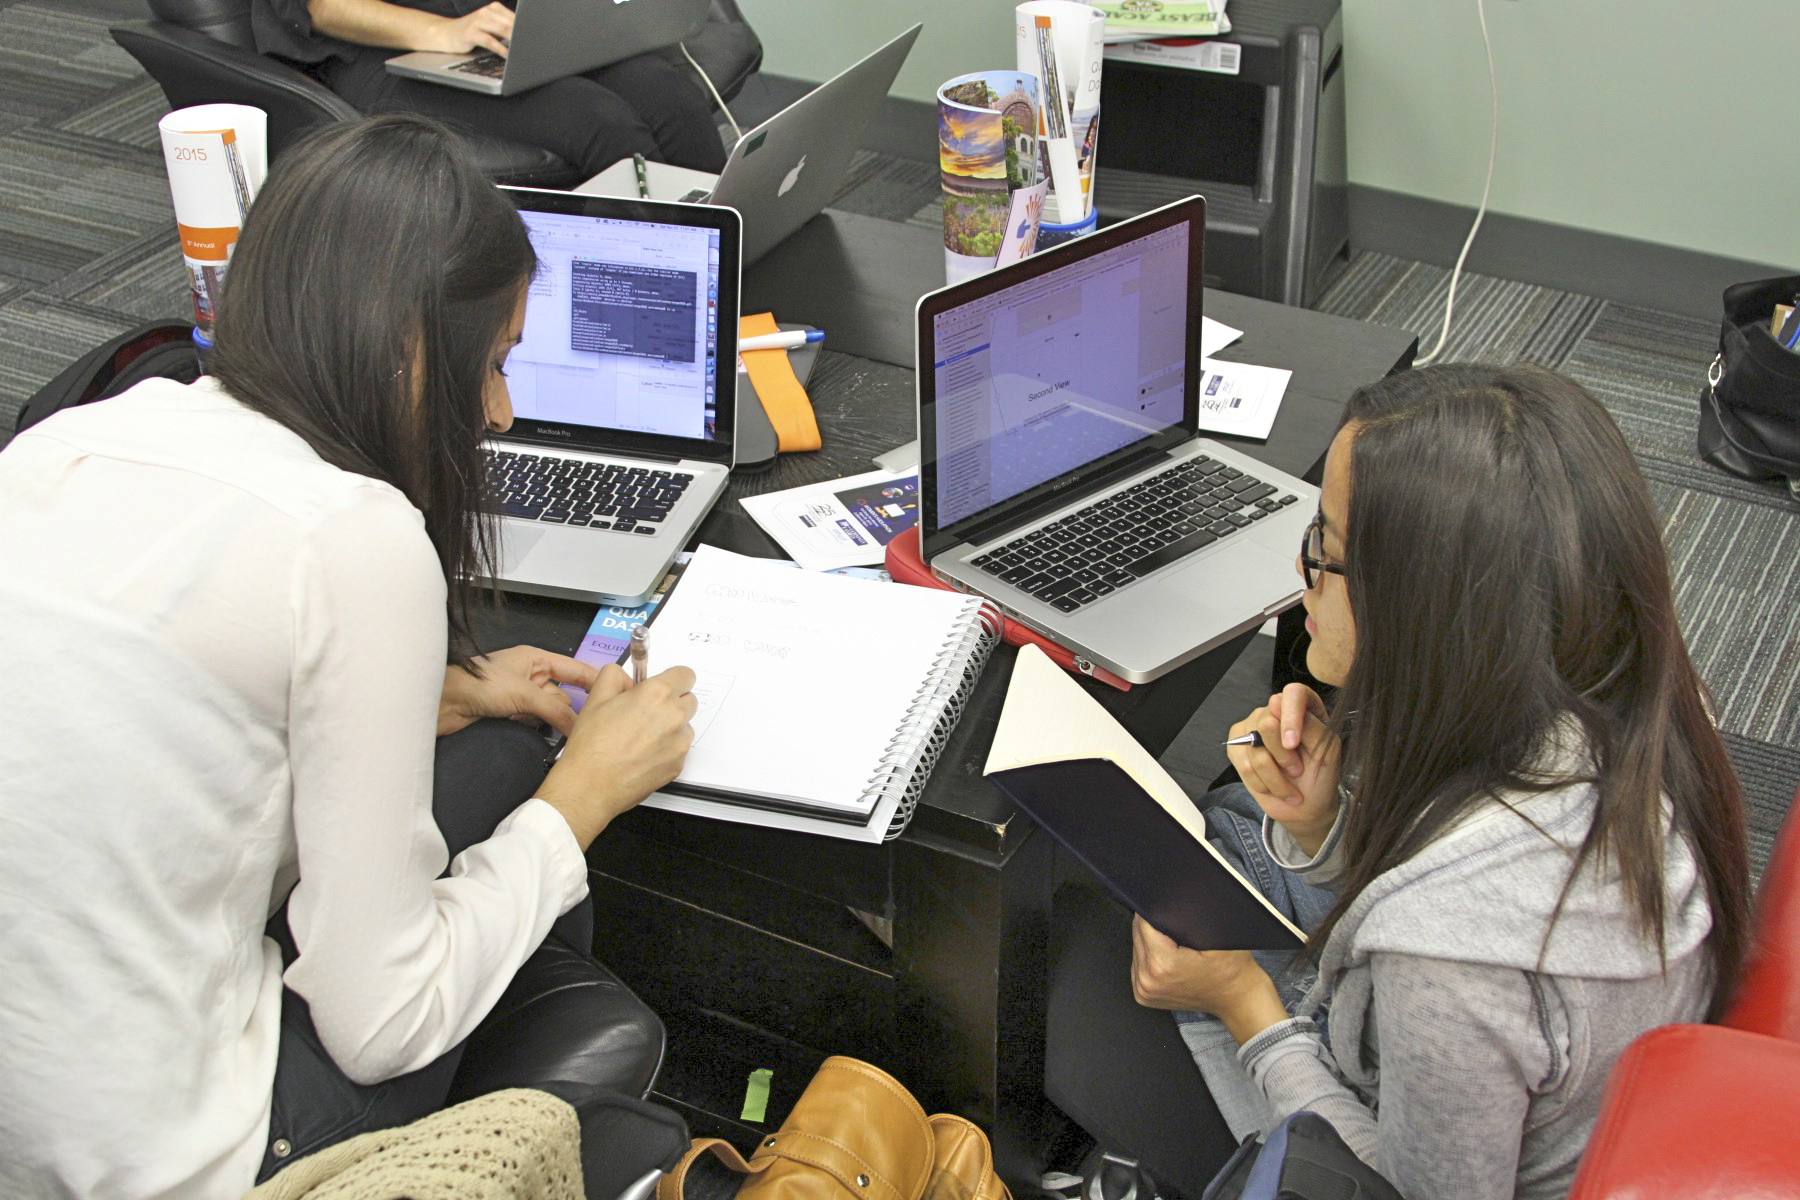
756	1095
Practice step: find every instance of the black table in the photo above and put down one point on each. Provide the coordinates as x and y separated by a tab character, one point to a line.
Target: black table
748	940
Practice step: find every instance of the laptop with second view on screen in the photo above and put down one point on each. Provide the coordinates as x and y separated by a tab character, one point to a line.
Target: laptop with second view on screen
1062	474
553	39
623	435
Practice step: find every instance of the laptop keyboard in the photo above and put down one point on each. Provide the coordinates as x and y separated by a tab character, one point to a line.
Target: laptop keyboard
575	491
1127	535
485	63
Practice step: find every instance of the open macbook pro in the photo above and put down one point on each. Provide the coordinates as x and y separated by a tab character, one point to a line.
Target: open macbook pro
1061	472
784	172
622	435
553	39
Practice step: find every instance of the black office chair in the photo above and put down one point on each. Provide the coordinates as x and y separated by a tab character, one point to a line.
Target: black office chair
203	52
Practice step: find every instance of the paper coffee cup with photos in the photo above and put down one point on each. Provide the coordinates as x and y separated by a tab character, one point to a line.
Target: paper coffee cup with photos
216	156
1060	41
988	164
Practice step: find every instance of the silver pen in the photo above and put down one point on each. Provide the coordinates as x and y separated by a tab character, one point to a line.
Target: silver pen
1248	739
640	654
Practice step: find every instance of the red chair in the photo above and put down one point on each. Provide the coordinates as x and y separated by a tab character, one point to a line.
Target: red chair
1705	1111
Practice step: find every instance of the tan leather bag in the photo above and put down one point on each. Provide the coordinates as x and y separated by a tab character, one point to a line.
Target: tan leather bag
854	1134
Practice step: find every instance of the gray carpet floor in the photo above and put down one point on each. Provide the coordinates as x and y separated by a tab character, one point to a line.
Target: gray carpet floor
88	249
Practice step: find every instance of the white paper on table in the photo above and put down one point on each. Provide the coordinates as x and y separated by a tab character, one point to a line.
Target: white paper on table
819	530
1240	398
875	829
1215	336
766	642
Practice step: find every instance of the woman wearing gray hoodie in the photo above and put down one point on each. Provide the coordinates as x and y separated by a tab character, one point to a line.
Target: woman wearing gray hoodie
1529	849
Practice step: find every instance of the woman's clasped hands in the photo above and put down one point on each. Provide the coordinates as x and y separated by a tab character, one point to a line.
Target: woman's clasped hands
1294	773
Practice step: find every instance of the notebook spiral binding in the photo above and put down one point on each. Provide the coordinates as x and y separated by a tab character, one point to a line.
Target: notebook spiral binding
931	718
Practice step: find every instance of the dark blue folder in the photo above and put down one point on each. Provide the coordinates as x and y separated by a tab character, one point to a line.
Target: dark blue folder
1148	859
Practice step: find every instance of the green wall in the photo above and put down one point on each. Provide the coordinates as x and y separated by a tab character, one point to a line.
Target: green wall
1667	121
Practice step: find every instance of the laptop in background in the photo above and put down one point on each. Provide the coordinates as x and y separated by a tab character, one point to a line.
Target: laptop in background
553	39
1061	471
623	393
784	172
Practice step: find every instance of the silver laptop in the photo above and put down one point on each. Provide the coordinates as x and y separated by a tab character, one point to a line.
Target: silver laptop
783	173
553	39
1061	471
623	392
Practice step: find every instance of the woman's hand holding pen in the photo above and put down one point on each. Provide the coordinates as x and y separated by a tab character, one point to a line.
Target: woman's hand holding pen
629	740
1293	771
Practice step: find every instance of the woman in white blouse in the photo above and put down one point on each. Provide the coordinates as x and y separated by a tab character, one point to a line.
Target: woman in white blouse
227	609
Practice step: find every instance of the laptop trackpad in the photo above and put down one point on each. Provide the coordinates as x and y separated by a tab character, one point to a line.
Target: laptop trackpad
1236	579
516	541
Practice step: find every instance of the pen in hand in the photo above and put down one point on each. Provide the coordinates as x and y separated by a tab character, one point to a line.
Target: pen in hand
640	654
1248	739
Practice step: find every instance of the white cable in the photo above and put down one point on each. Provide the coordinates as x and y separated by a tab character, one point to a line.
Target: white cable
736	133
1481	209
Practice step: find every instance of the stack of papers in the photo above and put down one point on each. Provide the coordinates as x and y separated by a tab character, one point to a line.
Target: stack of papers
1236	398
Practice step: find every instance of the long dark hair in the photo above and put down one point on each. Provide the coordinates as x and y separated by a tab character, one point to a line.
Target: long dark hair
1507	572
373	278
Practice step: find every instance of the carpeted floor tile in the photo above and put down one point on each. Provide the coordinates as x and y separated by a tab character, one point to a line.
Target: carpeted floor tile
1769	776
56	61
126	115
40	336
143	278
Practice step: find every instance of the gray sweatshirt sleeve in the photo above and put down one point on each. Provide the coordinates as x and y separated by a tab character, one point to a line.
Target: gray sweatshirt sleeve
1321	869
1462	1051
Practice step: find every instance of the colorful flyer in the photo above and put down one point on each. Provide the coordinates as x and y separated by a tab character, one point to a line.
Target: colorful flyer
840	523
987	150
1240	398
1022	222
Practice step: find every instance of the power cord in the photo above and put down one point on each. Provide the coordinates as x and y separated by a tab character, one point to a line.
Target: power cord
736	133
1481	209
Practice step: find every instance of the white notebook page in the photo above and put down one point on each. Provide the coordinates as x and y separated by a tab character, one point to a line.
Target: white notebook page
803	679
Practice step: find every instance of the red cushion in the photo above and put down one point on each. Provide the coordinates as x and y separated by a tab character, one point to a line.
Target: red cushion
1768	996
1697	1112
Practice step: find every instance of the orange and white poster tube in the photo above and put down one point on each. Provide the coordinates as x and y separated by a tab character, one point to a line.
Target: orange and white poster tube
1060	41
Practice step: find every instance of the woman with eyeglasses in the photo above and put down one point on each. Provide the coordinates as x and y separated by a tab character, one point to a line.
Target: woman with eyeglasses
1512	831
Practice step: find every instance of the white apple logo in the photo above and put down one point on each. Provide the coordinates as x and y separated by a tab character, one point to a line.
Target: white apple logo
793	177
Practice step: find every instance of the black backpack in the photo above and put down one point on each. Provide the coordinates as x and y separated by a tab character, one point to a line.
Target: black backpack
1303	1158
159	349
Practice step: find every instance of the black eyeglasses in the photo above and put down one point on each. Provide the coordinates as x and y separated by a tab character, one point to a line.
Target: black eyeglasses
1312	553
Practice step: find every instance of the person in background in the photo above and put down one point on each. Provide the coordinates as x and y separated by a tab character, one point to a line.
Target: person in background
230	934
1513	832
647	104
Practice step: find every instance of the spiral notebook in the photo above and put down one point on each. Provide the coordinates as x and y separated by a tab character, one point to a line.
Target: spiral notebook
823	700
